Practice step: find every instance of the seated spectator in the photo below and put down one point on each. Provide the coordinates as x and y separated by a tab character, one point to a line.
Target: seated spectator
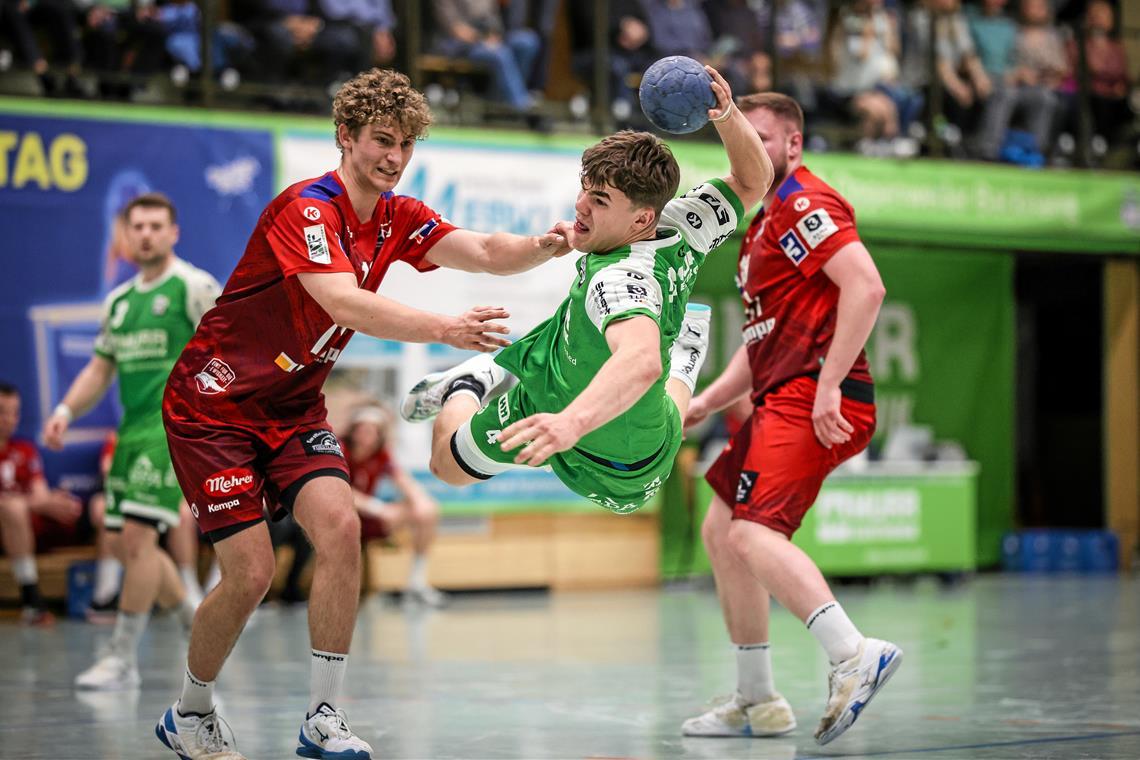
739	45
1107	63
181	20
55	20
367	449
372	20
678	27
292	32
866	48
542	17
26	503
474	29
956	63
629	53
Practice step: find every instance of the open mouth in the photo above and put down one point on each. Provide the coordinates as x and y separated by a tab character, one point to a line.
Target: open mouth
386	172
580	228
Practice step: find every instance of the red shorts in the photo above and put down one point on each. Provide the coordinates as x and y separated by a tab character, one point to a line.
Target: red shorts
772	469
230	477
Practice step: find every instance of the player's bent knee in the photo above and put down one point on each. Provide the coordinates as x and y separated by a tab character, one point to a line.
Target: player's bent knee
336	532
742	538
444	467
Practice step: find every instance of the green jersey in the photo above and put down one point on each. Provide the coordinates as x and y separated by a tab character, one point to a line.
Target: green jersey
558	359
145	327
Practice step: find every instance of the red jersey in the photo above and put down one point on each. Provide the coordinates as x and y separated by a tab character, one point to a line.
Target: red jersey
790	305
366	475
261	355
20	466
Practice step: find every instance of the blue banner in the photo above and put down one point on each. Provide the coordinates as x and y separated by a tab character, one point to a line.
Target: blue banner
62	181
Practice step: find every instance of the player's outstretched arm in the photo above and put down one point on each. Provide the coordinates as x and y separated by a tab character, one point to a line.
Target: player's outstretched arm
634	365
734	382
89	386
367	312
751	168
499	252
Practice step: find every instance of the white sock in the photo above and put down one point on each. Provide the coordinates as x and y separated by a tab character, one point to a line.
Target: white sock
213	577
835	632
107	573
129	627
186	612
197	695
189	575
327	677
24	568
754	672
417	578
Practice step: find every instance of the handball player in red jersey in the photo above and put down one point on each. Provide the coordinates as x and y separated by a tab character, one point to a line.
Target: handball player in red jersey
811	295
244	412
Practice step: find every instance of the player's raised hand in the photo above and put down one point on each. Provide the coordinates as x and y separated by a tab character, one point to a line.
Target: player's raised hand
547	435
723	95
54	429
827	421
474	330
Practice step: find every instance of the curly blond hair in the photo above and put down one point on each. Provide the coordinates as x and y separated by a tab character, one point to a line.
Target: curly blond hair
381	96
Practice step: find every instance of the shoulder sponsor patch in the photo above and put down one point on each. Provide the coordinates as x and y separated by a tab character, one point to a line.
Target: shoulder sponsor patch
816	227
312	213
424	232
801	204
317	244
793	247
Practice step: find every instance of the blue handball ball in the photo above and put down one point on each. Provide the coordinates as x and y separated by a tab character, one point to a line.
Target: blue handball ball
675	94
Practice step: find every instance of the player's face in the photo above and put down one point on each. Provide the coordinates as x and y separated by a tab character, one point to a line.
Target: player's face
367	437
781	147
378	155
605	218
151	235
9	414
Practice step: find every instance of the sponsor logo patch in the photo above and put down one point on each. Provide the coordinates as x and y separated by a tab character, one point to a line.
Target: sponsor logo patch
159	305
816	227
214	378
424	232
793	247
745	485
194	510
694	220
211	508
312	213
235	480
801	204
320	443
317	244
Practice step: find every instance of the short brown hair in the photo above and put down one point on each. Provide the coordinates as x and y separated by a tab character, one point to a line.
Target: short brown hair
150	200
779	104
381	96
638	164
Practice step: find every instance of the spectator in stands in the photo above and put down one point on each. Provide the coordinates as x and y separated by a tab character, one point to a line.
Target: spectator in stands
25	501
739	45
1108	77
866	48
181	20
678	27
371	20
474	29
290	33
56	20
542	17
1039	67
956	63
997	40
629	53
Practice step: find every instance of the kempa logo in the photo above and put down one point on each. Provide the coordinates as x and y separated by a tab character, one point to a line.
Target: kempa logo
224	505
234	480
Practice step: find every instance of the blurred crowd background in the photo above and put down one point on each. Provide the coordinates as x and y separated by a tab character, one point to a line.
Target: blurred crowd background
1028	82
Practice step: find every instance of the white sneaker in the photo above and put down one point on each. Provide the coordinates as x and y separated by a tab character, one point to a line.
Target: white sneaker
425	399
110	672
732	716
325	734
853	683
197	737
692	345
425	595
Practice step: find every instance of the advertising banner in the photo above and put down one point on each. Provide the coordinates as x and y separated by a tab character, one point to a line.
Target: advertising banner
62	182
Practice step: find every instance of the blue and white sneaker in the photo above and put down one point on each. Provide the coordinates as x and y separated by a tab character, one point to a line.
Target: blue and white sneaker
325	734
197	737
853	683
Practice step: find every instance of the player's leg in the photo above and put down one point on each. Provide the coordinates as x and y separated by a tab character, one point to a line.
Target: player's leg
688	355
323	508
790	476
108	567
423	518
20	546
182	543
755	708
457	409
